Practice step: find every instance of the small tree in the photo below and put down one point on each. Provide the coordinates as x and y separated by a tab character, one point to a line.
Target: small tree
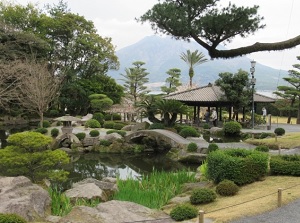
100	102
28	154
38	88
236	88
292	91
193	59
135	80
172	81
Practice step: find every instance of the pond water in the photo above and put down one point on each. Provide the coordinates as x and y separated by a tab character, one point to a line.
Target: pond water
119	165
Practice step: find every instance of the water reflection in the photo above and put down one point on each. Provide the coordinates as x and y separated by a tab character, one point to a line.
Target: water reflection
119	165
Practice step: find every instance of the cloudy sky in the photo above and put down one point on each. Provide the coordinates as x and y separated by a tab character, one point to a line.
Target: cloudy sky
115	19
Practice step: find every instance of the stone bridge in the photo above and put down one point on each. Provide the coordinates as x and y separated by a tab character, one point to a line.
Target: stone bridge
159	135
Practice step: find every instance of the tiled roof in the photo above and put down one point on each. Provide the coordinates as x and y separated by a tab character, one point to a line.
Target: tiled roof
209	93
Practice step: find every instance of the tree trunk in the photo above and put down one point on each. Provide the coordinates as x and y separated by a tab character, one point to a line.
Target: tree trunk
41	119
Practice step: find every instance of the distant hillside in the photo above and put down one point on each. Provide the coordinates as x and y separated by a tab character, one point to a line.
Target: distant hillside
161	54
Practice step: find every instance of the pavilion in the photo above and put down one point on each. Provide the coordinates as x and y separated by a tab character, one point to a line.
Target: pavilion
210	96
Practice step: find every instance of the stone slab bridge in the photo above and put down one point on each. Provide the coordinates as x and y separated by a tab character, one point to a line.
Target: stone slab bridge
166	136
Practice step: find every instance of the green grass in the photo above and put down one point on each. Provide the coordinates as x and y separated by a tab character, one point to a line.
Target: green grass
61	205
154	190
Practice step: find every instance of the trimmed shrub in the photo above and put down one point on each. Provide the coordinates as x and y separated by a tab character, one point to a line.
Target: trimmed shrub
118	126
206	126
264	135
120	132
114	116
11	218
202	196
94	133
189	132
279	131
285	165
104	142
54	132
227	188
157	126
80	135
108	125
99	117
179	127
232	128
239	165
262	148
58	123
46	124
92	123
183	212
192	147
212	147
53	113
41	130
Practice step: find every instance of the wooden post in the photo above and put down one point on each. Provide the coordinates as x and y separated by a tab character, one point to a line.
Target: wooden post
279	199
201	217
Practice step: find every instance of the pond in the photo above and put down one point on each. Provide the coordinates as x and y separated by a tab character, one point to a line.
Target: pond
119	165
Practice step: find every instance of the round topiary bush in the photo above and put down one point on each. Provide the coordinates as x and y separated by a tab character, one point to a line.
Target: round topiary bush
80	135
279	131
262	148
264	135
183	212
227	188
118	126
212	147
157	126
46	124
94	133
108	125
202	195
192	147
54	132
58	123
92	123
41	130
232	128
189	132
120	132
99	117
11	218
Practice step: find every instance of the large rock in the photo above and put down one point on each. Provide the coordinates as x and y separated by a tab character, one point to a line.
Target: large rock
140	126
108	185
20	196
86	191
114	211
112	137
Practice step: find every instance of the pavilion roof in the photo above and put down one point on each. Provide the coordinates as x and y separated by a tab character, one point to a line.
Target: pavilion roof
208	95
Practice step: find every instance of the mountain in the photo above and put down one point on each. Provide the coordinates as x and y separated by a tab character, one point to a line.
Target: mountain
163	53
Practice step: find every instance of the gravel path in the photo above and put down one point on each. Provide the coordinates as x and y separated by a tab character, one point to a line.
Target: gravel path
286	214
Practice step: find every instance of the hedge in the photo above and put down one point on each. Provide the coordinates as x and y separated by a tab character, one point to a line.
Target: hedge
285	165
238	165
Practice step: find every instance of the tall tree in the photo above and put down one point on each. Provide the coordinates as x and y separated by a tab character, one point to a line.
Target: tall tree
135	79
73	47
11	72
38	88
292	92
210	24
172	81
236	88
193	59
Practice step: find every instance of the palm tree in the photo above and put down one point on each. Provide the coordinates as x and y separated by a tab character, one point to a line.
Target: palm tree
193	59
